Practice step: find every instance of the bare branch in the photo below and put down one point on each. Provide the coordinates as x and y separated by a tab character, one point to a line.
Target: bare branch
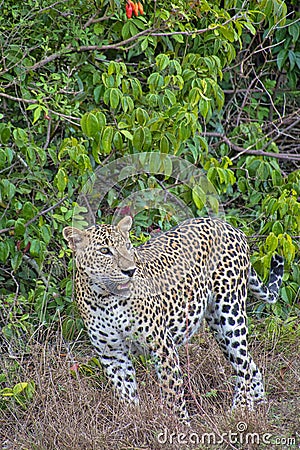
121	44
51	58
88	48
17	99
241	150
93	19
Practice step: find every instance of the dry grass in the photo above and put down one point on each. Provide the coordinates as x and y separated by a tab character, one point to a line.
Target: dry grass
80	412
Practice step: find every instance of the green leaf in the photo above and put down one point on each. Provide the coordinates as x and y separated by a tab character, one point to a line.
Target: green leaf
281	58
4	133
271	205
112	68
294	31
289	248
277	228
178	38
61	179
147	139
4	251
204	106
114	97
28	211
35	247
194	96
292	59
21	138
277	179
141	116
169	98
107	138
162	61
199	197
287	294
184	131
214	203
155	82
136	88
138	138
250	27
297	55
6	392
127	134
8	189
37	114
228	33
127	103
45	233
101	118
98	93
20	228
155	163
153	100
272	242
144	43
20	387
99	29
90	125
167	167
164	145
118	141
16	260
32	107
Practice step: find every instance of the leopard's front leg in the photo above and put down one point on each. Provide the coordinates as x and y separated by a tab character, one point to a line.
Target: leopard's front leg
114	357
166	359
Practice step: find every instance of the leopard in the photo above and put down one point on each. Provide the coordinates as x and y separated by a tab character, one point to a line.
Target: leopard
151	299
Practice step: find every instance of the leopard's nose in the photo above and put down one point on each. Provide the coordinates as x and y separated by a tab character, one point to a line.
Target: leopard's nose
129	272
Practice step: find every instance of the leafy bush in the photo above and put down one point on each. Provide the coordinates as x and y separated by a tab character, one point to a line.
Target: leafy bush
212	83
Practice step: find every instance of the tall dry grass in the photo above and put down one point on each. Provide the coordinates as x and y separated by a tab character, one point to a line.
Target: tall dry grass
78	410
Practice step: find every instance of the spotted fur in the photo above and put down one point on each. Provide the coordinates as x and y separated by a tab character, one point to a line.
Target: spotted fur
152	299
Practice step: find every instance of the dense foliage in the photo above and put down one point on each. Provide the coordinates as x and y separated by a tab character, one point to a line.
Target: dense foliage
213	83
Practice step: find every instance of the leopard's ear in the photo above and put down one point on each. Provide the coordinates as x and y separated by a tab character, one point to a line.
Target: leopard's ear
124	225
74	237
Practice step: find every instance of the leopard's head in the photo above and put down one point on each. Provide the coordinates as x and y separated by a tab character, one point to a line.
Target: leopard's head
104	256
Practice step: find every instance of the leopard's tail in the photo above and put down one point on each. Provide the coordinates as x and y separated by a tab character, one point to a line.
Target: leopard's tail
269	292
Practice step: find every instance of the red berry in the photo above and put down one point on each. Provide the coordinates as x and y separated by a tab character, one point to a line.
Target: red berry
128	10
140	8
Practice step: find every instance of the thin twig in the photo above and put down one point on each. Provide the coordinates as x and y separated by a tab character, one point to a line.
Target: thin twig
283	132
48	137
32	102
51	6
41	213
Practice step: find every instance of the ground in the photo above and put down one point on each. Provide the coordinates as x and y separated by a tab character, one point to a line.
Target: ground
76	410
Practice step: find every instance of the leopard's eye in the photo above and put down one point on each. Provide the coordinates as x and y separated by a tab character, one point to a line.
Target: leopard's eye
105	251
129	246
